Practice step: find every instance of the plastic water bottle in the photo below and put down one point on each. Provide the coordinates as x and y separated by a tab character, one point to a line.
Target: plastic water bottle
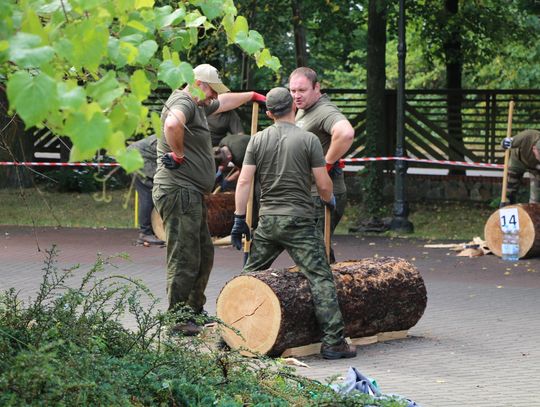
510	245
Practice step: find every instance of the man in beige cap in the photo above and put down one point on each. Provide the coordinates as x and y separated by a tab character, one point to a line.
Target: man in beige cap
524	157
284	158
186	172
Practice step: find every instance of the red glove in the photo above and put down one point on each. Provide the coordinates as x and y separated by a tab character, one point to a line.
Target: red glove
338	164
257	97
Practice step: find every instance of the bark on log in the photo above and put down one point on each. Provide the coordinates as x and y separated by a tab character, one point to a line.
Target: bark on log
529	231
273	309
220	215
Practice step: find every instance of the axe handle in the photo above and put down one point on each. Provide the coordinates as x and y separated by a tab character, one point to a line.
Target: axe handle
327	221
507	152
249	209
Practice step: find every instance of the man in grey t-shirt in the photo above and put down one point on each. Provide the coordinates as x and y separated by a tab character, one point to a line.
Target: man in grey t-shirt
186	172
284	157
318	115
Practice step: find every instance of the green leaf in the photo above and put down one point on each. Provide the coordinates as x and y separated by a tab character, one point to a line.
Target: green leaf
250	42
85	44
137	25
33	97
146	51
32	25
264	58
173	18
210	8
156	123
143	3
70	96
140	85
116	144
130	160
88	134
175	75
195	20
240	25
26	50
106	90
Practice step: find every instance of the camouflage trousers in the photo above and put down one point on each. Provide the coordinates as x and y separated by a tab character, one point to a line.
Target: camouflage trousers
515	175
190	252
335	216
304	244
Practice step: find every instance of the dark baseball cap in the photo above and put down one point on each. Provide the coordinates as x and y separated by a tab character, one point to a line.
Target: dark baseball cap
279	100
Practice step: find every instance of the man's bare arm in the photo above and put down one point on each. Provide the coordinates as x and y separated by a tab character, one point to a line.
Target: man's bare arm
342	139
174	129
242	188
323	182
231	100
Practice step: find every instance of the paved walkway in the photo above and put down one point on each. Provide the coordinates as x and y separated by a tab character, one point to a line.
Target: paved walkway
476	345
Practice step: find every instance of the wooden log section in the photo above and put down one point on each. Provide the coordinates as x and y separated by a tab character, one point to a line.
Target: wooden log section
273	309
529	231
220	215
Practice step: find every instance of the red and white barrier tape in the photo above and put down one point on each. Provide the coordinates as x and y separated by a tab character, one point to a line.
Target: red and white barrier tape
423	160
53	164
345	160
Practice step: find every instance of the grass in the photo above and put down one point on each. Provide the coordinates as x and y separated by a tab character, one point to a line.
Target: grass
431	220
29	207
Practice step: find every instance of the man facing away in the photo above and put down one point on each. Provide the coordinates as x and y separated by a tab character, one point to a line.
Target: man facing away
284	157
524	157
318	115
185	173
144	182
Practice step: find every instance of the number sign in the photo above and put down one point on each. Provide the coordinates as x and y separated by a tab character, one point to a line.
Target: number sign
509	219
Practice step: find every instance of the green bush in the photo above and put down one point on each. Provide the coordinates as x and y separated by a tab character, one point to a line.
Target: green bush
70	346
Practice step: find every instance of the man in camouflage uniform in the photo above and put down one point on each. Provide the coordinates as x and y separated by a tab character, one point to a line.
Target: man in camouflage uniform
284	158
185	173
144	183
318	115
524	157
221	124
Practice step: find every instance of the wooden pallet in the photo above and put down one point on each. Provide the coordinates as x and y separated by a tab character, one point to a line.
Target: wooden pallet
315	348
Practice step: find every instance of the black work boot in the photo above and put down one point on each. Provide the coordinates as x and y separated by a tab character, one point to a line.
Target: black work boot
339	351
149	240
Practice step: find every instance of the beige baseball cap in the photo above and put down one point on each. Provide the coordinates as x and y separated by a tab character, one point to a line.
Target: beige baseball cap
207	73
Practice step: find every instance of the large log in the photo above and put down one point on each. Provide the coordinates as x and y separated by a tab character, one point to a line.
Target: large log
529	231
273	309
220	215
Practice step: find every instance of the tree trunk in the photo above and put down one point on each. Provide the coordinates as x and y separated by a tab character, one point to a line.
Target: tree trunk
299	35
454	66
375	110
220	215
273	309
529	231
15	145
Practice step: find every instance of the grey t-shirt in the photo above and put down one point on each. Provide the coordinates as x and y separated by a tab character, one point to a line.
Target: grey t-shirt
319	119
198	170
284	155
224	123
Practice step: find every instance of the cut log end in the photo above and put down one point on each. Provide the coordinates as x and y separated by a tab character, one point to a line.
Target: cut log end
250	306
529	233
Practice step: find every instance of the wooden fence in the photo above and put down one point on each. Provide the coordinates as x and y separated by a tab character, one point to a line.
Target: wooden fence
432	129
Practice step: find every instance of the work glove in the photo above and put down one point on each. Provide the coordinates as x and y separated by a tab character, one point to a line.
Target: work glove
257	97
335	169
331	204
506	143
172	161
239	229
